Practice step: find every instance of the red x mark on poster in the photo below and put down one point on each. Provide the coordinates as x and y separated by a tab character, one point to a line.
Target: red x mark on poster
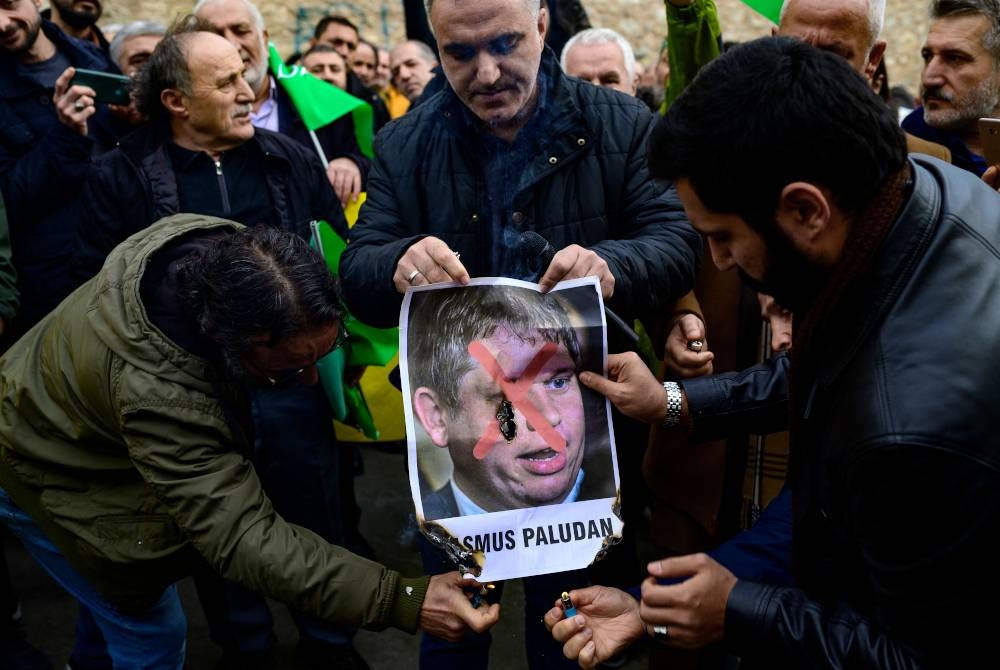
515	392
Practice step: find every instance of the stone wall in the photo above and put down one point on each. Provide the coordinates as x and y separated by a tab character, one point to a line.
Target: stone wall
641	21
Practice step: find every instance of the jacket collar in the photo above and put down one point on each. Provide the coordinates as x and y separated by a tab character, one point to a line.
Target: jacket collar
901	250
152	137
961	156
557	103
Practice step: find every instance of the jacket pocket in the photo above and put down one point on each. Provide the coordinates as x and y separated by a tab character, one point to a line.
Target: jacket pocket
138	536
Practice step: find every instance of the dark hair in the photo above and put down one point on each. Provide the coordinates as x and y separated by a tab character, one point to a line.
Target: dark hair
167	68
320	48
771	112
258	285
325	22
443	323
940	9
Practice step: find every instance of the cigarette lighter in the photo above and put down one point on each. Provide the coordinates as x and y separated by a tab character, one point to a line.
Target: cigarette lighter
567	605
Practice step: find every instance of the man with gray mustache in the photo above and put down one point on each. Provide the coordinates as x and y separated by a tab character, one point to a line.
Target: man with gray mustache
961	78
199	153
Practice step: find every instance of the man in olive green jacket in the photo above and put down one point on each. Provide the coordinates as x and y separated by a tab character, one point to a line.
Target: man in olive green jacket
123	438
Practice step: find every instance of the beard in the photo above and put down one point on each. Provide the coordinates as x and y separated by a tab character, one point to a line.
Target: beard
31	30
979	102
77	18
257	72
791	279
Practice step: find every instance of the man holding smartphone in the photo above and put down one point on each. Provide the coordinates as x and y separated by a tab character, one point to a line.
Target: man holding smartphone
960	82
51	131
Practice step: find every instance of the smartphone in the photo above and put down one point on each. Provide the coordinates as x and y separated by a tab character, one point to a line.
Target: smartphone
989	136
110	88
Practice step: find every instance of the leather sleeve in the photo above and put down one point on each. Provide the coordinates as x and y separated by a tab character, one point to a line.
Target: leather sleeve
754	400
925	543
783	625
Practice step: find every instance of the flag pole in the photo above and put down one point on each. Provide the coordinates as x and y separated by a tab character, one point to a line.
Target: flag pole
319	148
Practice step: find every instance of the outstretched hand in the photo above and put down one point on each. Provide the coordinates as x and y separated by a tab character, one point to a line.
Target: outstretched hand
606	623
447	611
630	387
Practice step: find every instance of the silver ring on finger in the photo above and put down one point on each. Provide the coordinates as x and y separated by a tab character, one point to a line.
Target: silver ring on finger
79	105
660	633
409	277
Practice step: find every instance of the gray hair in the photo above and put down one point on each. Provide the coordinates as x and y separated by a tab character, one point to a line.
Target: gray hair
876	18
940	9
167	68
425	51
134	29
258	20
601	36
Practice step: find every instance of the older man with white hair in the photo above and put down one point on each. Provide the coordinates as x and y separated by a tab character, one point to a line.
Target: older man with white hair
133	44
241	23
412	65
602	57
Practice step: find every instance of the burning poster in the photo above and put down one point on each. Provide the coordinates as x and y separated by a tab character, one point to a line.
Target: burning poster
512	461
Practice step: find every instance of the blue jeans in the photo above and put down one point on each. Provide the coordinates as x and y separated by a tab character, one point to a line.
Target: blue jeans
297	460
152	640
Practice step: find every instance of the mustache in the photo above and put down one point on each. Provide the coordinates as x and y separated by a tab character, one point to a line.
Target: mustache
938	93
501	85
242	110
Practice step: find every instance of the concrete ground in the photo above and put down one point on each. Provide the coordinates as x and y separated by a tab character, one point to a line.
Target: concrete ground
383	492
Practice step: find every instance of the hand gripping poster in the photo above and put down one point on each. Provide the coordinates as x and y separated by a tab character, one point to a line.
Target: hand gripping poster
511	459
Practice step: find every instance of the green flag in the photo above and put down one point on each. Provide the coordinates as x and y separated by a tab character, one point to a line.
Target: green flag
769	9
320	103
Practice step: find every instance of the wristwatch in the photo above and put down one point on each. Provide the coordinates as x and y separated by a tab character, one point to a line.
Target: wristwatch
674	401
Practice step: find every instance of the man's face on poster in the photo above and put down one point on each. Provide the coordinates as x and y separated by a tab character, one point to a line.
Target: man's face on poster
529	470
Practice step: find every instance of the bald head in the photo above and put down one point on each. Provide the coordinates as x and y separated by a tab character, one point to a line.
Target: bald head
847	28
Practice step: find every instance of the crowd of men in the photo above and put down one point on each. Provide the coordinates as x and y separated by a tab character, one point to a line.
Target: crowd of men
162	315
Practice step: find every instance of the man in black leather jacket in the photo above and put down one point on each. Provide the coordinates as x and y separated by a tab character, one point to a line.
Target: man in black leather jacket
890	267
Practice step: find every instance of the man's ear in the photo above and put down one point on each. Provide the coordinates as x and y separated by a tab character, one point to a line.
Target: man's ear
806	216
874	58
173	100
431	415
543	22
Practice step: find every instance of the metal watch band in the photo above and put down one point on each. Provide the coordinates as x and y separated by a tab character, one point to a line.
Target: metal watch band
674	398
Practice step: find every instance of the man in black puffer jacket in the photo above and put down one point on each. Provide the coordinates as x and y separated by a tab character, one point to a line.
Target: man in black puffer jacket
574	172
514	169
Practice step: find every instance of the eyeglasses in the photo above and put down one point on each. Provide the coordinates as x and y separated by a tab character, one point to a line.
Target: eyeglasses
288	377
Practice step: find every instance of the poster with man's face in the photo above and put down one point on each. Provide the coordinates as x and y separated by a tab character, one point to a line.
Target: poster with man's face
512	461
